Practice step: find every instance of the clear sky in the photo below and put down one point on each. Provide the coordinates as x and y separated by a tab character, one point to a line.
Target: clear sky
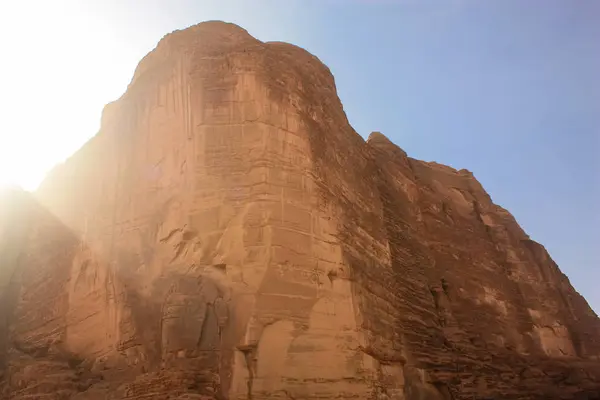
509	89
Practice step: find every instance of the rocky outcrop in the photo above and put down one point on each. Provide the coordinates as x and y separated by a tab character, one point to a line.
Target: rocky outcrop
228	235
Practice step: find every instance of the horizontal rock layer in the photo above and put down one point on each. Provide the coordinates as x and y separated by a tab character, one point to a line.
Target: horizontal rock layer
228	235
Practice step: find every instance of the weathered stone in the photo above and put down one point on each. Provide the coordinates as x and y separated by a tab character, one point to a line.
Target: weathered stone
228	235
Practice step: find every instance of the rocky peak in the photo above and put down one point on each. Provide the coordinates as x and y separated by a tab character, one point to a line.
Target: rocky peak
210	37
377	137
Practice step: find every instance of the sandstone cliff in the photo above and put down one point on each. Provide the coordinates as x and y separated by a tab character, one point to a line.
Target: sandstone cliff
228	235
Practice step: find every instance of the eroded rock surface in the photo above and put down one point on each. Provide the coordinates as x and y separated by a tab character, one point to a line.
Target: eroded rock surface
228	235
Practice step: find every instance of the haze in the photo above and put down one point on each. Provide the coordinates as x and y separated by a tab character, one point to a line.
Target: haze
506	89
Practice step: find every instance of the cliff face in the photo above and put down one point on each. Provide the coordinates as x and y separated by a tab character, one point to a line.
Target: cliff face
228	235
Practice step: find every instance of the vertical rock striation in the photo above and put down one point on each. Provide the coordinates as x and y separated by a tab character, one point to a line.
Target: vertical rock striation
228	235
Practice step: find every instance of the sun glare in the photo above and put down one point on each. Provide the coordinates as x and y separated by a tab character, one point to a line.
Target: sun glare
66	63
68	58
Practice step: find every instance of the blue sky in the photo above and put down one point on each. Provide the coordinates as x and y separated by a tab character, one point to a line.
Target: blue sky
507	89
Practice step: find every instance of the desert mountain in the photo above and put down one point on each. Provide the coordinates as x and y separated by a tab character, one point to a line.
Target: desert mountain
228	235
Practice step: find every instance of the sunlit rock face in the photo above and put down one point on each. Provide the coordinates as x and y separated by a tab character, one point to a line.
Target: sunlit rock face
228	235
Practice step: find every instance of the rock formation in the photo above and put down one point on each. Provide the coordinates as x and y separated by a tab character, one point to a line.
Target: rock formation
228	235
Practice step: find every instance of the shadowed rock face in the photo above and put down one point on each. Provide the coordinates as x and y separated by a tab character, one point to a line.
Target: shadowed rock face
228	235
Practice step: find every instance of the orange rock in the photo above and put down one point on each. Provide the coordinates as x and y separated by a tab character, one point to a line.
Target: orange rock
227	234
